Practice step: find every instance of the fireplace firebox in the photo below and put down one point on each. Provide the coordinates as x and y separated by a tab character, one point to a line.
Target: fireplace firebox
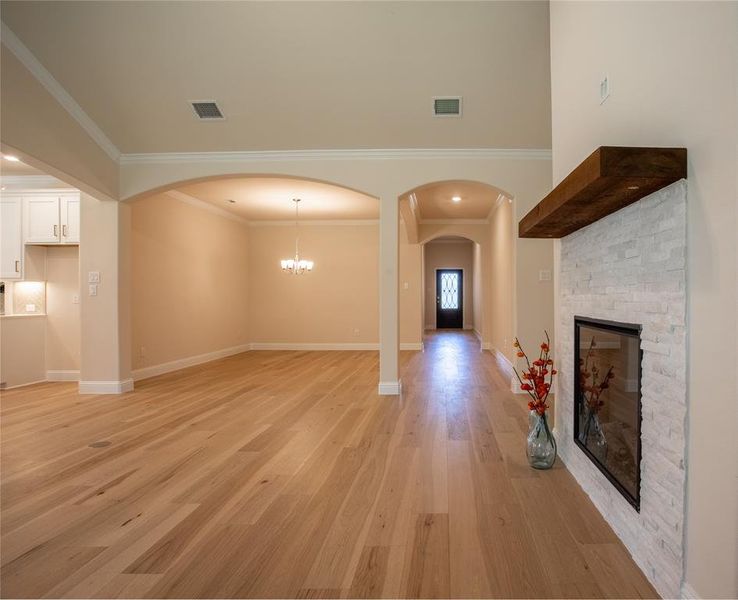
607	400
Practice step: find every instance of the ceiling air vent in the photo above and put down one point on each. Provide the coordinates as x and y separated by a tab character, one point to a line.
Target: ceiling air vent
447	106
207	110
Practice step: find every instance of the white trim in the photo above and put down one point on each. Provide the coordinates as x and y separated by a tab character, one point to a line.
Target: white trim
31	182
201	204
316	222
46	79
357	154
688	592
507	367
62	375
454	222
189	361
390	388
20	385
319	346
417	346
106	387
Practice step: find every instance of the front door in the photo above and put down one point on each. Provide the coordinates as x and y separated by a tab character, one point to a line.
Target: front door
449	299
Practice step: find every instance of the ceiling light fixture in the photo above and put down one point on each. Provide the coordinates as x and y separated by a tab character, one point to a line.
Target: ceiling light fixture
297	266
456	198
11	158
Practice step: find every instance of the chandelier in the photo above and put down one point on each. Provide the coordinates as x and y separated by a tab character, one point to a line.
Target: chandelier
297	266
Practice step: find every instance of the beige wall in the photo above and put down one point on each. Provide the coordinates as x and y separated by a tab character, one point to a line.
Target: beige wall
62	320
449	255
477	288
22	350
189	281
336	303
502	274
35	126
673	68
411	292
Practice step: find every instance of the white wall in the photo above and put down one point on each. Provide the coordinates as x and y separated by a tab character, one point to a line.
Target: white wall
673	68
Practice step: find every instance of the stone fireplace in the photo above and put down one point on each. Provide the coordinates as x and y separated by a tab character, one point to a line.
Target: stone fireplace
630	268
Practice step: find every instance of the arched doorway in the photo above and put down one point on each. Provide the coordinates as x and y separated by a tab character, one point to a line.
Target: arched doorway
464	226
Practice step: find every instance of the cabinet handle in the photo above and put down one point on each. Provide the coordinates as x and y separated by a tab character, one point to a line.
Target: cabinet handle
64	230
55	234
17	266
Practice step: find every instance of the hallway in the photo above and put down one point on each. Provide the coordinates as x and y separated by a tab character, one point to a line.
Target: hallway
283	474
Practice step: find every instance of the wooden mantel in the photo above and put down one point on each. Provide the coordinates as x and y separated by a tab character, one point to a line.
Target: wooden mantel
611	178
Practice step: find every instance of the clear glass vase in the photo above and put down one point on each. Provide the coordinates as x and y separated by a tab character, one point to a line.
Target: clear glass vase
593	437
541	447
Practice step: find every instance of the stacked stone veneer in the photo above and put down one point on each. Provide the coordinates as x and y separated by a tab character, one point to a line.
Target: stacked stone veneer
631	267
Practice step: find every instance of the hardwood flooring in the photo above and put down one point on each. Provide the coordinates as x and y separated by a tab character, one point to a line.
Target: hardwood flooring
284	474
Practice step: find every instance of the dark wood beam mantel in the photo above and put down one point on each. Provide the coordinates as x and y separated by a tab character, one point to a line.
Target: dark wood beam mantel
611	178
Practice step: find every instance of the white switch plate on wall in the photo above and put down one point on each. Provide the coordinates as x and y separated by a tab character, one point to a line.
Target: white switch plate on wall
93	289
93	277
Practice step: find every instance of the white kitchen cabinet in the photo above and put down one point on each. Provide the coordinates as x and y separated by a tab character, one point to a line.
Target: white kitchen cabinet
69	208
11	241
51	218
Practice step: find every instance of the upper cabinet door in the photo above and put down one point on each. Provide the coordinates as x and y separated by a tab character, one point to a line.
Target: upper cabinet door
70	219
11	243
41	219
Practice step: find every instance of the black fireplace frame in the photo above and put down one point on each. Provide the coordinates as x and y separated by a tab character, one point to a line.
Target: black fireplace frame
628	329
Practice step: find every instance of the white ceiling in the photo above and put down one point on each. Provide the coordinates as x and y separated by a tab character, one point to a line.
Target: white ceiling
435	200
298	75
270	198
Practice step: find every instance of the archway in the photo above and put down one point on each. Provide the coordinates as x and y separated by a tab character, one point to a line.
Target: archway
205	270
478	218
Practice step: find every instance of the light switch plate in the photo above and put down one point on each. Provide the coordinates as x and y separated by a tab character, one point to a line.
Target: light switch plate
544	275
75	299
93	289
93	277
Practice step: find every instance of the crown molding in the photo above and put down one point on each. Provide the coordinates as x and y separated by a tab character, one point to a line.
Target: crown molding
358	154
315	222
46	79
30	182
454	222
201	204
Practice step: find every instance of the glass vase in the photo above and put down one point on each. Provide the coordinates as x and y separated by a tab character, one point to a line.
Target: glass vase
541	447
593	437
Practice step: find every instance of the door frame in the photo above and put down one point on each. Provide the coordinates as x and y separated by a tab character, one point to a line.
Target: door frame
462	296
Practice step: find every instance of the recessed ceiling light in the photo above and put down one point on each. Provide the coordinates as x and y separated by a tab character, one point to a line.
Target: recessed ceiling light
456	198
11	158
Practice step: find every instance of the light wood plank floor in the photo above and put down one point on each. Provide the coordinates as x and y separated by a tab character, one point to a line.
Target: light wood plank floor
278	474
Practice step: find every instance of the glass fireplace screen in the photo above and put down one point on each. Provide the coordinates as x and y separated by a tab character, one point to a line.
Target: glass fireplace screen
607	407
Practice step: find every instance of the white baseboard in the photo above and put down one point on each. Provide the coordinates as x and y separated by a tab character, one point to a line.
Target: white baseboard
20	385
106	387
418	346
688	592
189	361
314	346
390	388
507	367
62	375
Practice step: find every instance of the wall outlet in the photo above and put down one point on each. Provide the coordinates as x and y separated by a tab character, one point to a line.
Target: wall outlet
142	352
544	275
93	277
75	298
406	285
356	331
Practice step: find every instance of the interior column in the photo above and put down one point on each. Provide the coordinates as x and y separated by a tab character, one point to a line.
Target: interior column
105	365
389	304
